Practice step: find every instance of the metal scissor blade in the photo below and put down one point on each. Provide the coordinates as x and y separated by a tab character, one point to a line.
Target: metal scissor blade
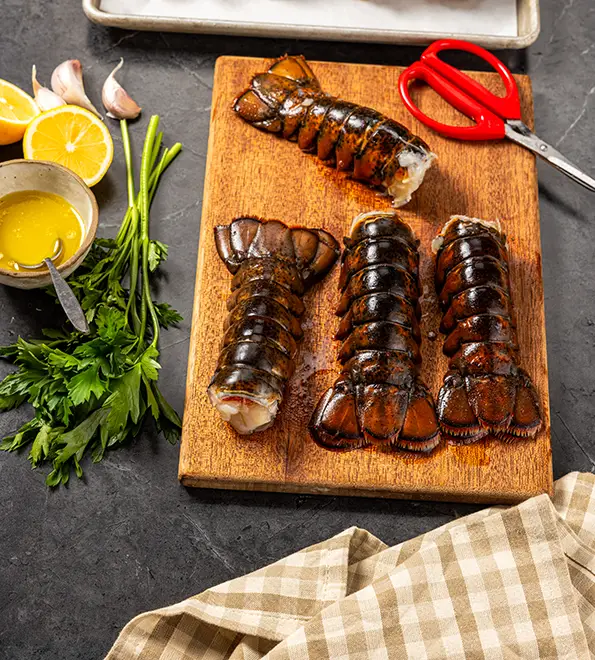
520	133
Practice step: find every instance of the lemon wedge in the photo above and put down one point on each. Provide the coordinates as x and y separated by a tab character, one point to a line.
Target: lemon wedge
17	109
73	137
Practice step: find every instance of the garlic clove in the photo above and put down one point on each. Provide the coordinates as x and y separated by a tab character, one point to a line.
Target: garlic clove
117	102
44	97
67	82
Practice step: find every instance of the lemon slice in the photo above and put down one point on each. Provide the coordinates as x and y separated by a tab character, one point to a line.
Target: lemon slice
17	109
73	137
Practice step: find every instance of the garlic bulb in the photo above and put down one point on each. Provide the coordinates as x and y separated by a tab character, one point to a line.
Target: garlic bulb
117	102
44	97
67	82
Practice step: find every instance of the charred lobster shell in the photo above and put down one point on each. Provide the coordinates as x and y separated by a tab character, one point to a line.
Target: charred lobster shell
485	391
379	398
273	265
288	100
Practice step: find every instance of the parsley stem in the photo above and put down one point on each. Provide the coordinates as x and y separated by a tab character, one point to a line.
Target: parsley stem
134	258
133	236
148	158
129	179
166	160
128	159
122	232
156	149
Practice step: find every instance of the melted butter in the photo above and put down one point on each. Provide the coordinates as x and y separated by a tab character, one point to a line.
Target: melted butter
30	223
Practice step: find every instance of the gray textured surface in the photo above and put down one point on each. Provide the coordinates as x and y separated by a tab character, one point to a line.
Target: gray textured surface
76	564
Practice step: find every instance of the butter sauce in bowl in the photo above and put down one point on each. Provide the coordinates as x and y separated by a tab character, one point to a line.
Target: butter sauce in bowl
40	203
31	221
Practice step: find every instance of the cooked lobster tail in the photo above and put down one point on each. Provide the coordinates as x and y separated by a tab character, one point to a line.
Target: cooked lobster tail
485	391
288	100
379	398
273	266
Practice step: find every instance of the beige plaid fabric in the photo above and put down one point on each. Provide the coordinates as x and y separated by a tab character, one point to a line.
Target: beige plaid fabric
499	584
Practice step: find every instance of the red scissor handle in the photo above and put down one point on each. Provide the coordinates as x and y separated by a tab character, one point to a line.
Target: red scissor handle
463	93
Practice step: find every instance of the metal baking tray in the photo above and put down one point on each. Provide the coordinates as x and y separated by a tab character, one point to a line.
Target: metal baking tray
527	14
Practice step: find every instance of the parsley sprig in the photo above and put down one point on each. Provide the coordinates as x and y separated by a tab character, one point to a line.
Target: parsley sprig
91	393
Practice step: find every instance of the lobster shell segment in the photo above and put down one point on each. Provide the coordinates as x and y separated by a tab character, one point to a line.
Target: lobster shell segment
485	391
273	265
378	398
287	100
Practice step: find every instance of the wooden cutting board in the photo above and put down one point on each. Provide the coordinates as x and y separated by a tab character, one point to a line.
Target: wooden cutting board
252	173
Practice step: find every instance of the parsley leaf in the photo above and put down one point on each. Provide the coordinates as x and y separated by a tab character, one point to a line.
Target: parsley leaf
85	385
10	401
166	315
157	254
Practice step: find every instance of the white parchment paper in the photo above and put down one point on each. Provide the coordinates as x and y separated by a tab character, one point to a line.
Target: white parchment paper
490	17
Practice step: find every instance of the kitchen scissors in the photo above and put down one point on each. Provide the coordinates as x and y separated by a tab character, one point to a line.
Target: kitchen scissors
495	117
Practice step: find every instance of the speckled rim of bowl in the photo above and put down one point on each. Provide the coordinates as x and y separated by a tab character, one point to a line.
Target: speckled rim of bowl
89	236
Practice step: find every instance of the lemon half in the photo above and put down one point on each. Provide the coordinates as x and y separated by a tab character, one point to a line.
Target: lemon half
73	137
17	109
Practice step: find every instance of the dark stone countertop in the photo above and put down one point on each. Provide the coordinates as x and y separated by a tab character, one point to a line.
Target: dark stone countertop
76	564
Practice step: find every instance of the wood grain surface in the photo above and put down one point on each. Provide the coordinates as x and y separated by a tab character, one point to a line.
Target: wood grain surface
252	173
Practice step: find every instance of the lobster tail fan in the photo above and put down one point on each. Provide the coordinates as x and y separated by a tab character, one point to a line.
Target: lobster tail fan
470	408
244	238
526	415
492	399
352	416
224	249
272	239
233	241
314	256
334	423
457	419
295	67
263	103
312	252
305	246
257	111
381	412
419	432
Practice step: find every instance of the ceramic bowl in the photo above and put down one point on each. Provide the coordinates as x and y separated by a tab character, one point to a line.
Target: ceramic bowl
17	175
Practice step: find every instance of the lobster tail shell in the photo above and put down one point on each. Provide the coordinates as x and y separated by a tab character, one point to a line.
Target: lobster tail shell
287	100
485	392
378	398
273	265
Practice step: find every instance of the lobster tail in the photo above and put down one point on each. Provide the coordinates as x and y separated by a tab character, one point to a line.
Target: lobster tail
485	391
373	148
378	398
273	265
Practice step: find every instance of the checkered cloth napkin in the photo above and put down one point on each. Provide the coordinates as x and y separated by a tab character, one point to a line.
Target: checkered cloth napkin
499	584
